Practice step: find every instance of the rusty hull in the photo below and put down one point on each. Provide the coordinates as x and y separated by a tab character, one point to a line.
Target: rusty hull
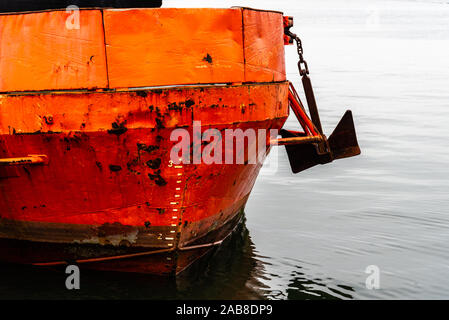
109	197
106	194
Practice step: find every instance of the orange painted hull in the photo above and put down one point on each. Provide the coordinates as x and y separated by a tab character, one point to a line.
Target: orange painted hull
108	194
109	180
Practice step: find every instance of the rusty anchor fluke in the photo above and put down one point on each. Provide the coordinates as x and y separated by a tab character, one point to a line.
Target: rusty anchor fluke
308	152
311	147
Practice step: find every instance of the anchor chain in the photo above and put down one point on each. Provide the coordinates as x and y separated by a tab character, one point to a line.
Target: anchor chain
307	84
323	146
312	147
302	64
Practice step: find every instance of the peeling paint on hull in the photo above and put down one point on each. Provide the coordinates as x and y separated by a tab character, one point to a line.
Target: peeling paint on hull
109	188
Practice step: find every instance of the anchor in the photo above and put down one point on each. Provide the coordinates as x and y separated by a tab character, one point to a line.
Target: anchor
311	147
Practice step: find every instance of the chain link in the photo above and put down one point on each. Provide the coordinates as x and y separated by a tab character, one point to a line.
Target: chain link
302	64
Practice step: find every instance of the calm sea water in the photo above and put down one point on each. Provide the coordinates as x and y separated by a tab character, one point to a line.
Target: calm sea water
312	235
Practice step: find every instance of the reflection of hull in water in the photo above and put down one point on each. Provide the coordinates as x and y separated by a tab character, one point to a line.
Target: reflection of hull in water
229	271
232	271
302	287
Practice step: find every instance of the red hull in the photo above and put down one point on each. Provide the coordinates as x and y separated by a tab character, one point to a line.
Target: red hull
114	185
106	193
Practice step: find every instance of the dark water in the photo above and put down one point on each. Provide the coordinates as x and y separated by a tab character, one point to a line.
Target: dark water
233	271
312	235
